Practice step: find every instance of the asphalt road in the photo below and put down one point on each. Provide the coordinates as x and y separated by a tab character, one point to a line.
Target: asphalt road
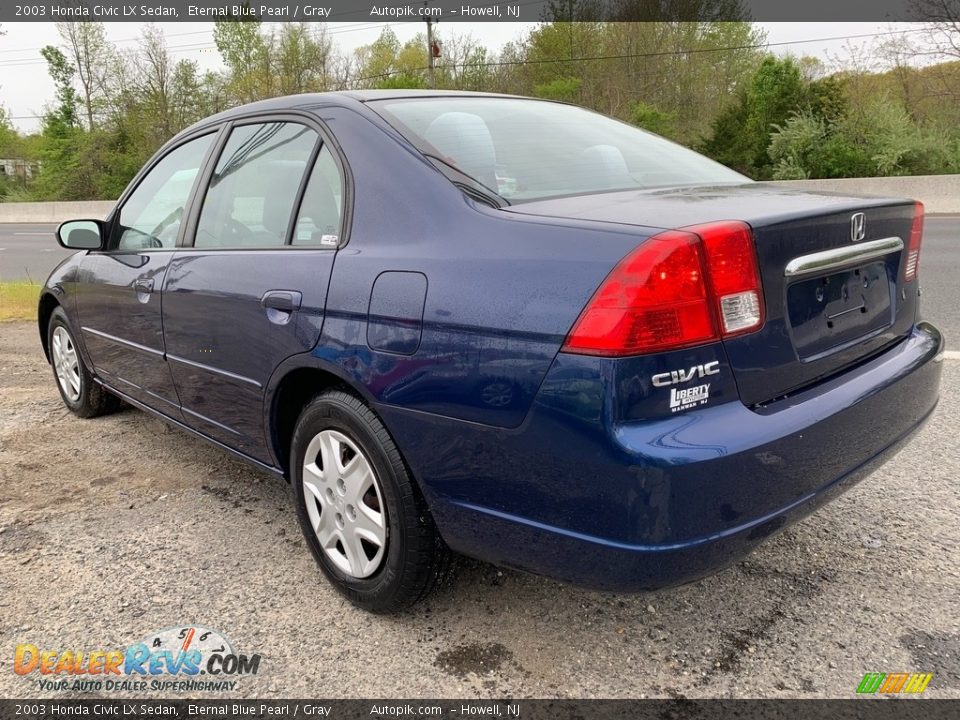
940	276
30	251
114	528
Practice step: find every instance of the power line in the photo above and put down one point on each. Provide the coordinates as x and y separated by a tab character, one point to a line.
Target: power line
17	62
120	40
630	56
691	51
625	56
345	28
342	28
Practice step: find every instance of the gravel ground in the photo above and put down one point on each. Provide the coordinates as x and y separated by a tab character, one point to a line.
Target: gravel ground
116	527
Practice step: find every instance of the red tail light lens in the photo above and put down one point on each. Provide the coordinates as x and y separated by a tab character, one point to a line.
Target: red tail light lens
913	246
679	288
655	297
734	276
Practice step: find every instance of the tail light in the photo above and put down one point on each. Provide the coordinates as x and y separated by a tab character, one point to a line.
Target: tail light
677	289
913	247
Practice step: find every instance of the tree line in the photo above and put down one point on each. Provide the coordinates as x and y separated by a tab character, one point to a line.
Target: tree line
709	85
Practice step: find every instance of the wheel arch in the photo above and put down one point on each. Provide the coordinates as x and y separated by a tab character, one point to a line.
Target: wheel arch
293	385
47	304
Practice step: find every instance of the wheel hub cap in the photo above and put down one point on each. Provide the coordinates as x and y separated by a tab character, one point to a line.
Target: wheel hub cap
66	363
344	503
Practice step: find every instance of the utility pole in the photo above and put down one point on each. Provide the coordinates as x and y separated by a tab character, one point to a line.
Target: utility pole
430	47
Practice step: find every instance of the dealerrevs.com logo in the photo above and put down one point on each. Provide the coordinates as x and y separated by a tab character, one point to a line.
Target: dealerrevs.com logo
187	658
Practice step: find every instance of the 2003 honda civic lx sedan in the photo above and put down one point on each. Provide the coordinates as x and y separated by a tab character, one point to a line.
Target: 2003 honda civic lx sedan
506	327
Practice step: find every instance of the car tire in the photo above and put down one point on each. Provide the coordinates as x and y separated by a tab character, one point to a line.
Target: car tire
370	530
82	395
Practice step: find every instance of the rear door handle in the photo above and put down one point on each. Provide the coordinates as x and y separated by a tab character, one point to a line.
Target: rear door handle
143	285
283	300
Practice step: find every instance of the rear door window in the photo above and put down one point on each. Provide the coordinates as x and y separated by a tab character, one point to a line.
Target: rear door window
319	219
251	195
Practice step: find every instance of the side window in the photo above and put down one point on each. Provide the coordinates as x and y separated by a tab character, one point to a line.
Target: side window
151	216
319	220
250	198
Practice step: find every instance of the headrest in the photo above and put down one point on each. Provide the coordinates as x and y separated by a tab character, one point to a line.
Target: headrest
465	139
603	166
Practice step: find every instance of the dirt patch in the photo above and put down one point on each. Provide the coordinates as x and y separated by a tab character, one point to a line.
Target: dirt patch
476	658
21	538
936	653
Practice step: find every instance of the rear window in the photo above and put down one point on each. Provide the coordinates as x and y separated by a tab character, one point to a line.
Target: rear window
530	149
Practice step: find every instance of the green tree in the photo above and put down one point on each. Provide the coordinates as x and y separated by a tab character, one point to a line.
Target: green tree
474	72
653	119
61	72
883	141
376	62
566	89
92	57
186	94
246	54
61	134
155	84
622	63
796	147
741	133
9	138
11	146
300	58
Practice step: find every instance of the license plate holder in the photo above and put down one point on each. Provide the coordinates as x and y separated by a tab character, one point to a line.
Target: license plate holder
834	310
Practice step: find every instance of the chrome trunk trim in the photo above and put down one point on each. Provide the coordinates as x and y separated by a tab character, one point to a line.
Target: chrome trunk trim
837	258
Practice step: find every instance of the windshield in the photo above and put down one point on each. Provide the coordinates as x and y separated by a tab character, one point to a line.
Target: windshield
530	149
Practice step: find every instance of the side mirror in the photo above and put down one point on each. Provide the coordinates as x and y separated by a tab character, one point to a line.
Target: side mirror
80	234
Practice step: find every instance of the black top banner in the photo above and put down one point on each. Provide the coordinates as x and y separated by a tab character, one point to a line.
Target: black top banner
135	709
479	10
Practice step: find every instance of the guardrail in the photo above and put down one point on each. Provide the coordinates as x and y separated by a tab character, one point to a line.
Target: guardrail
940	194
54	212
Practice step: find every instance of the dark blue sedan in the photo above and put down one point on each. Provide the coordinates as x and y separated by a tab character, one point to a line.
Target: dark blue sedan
505	327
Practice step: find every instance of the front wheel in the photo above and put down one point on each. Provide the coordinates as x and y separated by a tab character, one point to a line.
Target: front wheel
363	517
84	397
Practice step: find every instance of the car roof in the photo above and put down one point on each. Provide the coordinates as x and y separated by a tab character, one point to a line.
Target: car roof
367	95
339	97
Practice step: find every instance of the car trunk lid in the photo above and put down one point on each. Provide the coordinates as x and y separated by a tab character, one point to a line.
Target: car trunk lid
831	269
832	301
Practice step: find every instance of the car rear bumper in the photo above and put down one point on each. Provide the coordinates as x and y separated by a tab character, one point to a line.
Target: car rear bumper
644	505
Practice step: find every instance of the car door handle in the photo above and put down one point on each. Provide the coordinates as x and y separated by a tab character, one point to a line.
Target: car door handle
283	300
143	285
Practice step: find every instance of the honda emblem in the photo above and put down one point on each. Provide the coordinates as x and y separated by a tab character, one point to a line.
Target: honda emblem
858	227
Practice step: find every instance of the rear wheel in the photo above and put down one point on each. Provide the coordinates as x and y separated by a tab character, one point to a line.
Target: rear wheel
363	517
84	397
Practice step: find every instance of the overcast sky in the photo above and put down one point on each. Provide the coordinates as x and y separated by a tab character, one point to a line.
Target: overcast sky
25	87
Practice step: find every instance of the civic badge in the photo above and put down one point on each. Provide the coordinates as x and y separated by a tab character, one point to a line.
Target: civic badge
858	227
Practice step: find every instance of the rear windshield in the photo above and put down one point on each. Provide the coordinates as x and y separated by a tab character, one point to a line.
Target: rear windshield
530	149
